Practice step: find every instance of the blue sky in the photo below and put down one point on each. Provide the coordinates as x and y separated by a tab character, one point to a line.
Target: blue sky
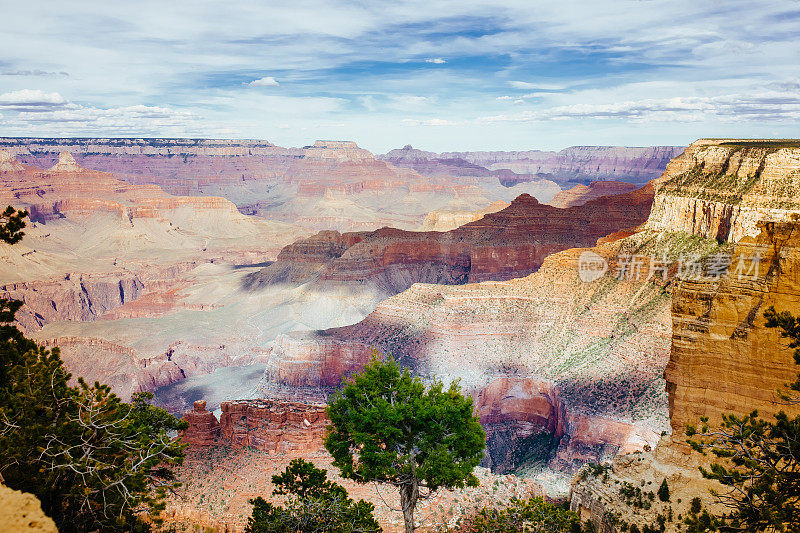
441	75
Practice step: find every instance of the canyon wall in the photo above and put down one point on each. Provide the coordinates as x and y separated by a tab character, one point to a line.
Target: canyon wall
722	188
576	163
723	359
327	185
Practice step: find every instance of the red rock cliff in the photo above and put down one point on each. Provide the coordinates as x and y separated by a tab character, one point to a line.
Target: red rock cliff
510	243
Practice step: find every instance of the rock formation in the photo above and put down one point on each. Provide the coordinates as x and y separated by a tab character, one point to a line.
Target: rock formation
8	163
21	512
273	425
722	188
204	428
510	243
445	220
66	163
585	359
580	194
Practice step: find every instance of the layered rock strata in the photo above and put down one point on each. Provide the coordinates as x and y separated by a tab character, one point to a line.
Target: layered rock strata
580	194
723	360
722	188
585	359
446	220
634	164
510	243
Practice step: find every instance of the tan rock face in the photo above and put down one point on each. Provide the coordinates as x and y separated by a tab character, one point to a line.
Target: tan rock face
8	163
447	220
21	512
66	163
723	188
723	359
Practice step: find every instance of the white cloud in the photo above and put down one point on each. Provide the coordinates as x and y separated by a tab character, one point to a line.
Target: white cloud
266	81
761	106
31	98
436	60
428	122
530	85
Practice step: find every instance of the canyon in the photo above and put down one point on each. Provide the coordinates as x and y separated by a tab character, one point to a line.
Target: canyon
239	312
593	352
326	185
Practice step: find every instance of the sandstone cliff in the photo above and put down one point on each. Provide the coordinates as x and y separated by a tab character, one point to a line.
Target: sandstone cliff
21	512
722	360
722	188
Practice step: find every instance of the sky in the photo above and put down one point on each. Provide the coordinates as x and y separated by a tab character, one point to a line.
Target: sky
440	75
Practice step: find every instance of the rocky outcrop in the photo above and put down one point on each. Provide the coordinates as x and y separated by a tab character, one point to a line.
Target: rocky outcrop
580	194
723	359
204	428
273	425
299	261
510	243
446	220
8	163
722	188
21	512
66	163
80	297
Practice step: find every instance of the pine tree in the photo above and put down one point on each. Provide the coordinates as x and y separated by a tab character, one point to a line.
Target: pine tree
388	427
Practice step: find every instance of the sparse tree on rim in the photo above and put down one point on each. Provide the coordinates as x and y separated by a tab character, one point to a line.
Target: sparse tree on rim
389	427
